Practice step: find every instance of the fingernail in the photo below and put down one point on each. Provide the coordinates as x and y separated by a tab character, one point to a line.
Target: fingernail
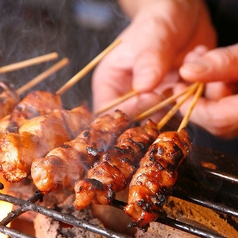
195	66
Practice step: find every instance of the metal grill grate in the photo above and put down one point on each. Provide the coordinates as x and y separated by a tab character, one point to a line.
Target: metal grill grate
195	184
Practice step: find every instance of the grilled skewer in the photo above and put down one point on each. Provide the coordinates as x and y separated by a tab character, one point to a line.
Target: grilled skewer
66	164
115	168
9	97
157	174
37	137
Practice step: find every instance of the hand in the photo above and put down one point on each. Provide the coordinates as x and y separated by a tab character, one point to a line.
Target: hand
153	45
217	110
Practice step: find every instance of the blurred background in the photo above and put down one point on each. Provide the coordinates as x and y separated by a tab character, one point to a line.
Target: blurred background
75	29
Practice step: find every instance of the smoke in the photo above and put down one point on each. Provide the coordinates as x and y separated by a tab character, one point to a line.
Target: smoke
30	28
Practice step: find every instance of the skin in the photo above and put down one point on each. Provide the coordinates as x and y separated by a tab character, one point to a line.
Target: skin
216	110
152	48
159	48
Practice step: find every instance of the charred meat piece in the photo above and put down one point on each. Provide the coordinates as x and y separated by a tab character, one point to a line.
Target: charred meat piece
34	104
37	137
65	165
152	182
8	99
113	171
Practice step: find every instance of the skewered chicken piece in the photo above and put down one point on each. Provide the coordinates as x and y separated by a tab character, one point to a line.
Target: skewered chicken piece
34	104
37	137
8	99
115	168
157	174
66	164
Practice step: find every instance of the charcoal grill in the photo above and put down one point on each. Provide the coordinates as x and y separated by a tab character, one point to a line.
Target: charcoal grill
215	189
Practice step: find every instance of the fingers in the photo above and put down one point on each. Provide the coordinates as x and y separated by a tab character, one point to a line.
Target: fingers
219	117
216	65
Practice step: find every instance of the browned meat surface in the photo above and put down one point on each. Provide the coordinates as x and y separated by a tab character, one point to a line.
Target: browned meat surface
113	171
66	164
37	137
8	99
34	104
155	177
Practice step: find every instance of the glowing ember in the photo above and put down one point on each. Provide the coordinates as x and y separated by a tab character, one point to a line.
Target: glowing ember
5	207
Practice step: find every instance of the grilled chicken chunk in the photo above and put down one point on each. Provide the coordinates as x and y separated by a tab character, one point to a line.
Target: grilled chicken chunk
155	177
34	104
113	171
66	164
37	137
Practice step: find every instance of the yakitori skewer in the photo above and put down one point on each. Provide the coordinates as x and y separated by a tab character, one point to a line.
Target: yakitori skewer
9	97
87	68
29	62
117	101
112	173
166	102
197	95
158	171
12	123
150	111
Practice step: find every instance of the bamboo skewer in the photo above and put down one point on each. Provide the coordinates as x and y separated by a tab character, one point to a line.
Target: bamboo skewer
176	107
192	105
43	76
164	103
29	62
117	101
87	68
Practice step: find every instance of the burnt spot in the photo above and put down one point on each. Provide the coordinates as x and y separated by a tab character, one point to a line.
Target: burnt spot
95	184
153	159
160	198
86	133
65	146
12	127
176	155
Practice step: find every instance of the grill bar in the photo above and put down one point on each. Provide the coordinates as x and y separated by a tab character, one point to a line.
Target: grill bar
188	228
188	188
217	207
13	233
222	175
67	219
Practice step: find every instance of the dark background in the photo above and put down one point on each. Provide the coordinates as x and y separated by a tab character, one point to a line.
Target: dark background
75	29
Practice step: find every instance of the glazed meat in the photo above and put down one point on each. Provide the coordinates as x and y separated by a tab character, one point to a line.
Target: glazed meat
34	104
66	164
8	99
113	171
37	137
155	177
